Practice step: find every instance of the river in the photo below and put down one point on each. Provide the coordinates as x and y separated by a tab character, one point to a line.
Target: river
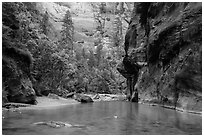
103	118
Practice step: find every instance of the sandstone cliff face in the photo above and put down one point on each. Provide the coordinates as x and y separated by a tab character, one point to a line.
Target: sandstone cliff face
174	54
17	86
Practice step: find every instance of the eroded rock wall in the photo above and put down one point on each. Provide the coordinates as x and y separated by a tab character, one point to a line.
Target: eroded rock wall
17	86
173	50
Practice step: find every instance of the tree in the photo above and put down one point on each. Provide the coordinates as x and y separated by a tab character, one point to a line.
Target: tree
99	53
67	31
102	7
117	28
99	12
121	13
44	23
91	60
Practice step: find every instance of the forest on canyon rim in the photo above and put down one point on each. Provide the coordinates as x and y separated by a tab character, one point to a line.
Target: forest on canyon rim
76	47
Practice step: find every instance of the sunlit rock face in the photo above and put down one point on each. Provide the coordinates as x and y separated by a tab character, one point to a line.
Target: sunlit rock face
173	52
55	11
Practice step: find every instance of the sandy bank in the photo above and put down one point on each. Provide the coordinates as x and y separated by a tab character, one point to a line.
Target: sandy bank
45	102
48	102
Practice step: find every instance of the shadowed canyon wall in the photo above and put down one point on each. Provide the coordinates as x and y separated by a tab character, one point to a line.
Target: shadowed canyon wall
171	36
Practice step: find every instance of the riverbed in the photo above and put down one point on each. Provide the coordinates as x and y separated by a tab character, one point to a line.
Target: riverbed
102	118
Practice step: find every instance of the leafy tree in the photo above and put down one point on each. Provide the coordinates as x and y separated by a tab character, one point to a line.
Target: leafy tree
99	53
54	66
91	60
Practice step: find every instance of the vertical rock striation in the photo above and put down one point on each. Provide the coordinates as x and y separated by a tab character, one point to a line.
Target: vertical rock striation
170	36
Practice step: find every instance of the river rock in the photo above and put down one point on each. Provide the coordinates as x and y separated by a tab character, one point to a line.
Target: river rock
70	95
83	98
97	96
108	97
59	124
15	105
86	99
54	124
105	97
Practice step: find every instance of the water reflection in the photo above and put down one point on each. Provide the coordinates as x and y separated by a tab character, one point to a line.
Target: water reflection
182	122
104	118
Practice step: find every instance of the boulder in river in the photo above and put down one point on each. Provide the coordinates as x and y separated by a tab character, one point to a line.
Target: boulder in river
86	99
83	98
58	124
54	124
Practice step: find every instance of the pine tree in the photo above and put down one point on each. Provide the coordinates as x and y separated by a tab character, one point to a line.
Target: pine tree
44	23
121	13
67	31
117	28
100	16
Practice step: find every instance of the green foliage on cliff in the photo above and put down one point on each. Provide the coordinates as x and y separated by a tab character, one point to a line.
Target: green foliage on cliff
53	63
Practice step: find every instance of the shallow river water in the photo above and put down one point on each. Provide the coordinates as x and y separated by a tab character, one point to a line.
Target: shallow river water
116	117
